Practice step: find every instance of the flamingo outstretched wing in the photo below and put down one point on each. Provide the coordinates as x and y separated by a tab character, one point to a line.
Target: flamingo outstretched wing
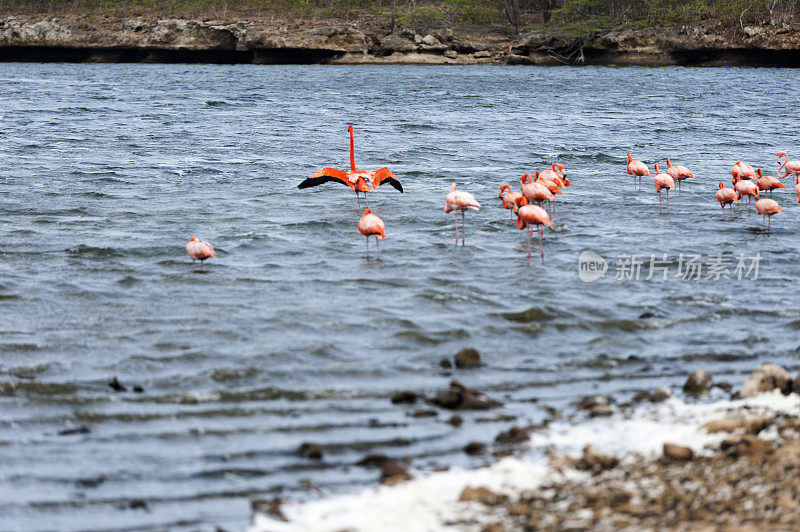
325	175
384	174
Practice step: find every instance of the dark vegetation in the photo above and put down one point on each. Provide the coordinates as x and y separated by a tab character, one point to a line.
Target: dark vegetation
568	17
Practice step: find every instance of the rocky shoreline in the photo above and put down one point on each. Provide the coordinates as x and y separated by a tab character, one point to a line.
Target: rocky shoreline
77	39
727	464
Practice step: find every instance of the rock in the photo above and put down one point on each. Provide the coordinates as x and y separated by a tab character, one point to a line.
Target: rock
493	527
677	452
83	429
724	425
455	420
445	363
725	386
430	40
698	381
474	448
660	395
468	358
424	413
520	508
796	385
115	385
481	495
444	35
373	460
137	504
482	54
91	482
596	461
138	389
460	397
766	378
268	507
600	410
404	397
514	59
310	450
450	54
514	435
395	43
589	402
747	445
394	472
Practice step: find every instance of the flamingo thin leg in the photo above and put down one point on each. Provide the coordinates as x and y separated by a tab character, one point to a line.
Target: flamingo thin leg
378	246
463	231
456	219
366	239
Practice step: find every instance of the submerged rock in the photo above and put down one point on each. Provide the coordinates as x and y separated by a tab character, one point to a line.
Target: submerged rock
474	448
115	385
310	450
270	507
373	460
468	358
698	381
765	378
404	397
460	397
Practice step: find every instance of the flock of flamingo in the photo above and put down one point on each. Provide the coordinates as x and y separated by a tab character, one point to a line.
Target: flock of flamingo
541	188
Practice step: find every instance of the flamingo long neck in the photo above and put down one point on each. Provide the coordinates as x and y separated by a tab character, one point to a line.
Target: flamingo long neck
503	188
629	157
780	155
352	151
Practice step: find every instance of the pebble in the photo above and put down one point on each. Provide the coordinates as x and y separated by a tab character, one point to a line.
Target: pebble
270	507
698	381
481	495
424	413
373	460
677	452
475	448
468	358
83	429
460	397
451	54
514	435
404	397
310	450
596	461
394	472
445	363
455	420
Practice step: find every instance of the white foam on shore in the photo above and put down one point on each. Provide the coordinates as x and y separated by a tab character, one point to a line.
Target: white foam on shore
429	502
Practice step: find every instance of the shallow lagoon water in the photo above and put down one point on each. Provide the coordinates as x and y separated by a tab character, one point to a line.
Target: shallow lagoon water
291	335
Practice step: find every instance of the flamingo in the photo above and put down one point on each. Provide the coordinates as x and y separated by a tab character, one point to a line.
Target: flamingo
725	196
557	174
199	250
637	169
663	181
741	170
458	200
532	215
791	167
357	180
766	207
535	191
509	199
745	188
678	173
768	182
369	225
797	187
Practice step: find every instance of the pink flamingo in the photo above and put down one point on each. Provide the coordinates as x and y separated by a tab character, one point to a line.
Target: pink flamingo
199	250
509	199
357	180
678	173
725	196
557	174
741	170
663	181
532	215
766	208
768	183
791	167
797	187
744	188
535	191
369	225
637	169
458	200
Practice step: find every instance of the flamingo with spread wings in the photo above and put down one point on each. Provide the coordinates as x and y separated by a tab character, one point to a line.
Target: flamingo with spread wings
357	180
